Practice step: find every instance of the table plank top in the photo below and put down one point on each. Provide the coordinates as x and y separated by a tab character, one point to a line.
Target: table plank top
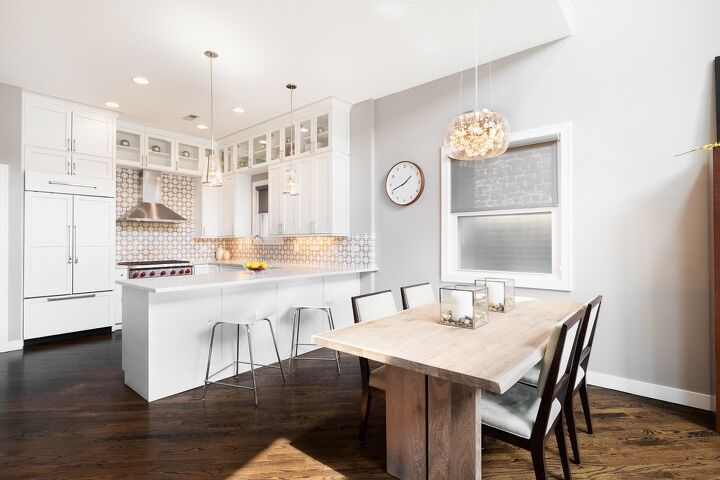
492	357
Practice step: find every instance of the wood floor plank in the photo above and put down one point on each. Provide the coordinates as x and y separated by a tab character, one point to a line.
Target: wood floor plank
66	414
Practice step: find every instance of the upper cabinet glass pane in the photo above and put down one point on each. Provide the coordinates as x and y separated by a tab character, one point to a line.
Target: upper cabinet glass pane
275	145
159	152
290	141
305	140
243	154
259	149
230	157
322	131
128	147
221	153
188	157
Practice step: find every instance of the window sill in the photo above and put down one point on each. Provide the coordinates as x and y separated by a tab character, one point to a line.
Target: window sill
525	280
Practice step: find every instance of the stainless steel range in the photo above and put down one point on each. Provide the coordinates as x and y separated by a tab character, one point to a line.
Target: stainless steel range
159	268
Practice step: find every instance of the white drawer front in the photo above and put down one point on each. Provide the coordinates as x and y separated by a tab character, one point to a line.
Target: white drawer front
56	315
73	184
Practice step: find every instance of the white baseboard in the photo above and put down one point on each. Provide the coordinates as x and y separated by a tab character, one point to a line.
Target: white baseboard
11	345
651	390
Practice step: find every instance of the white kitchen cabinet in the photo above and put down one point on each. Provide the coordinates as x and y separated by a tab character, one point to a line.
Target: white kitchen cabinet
189	158
226	210
159	152
129	148
208	220
57	315
322	205
66	140
121	273
93	244
48	244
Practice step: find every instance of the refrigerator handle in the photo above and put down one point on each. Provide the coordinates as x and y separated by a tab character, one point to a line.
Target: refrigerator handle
70	259
75	230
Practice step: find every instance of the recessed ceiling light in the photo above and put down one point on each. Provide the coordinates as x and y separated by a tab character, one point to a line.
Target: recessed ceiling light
202	126
141	80
239	110
112	104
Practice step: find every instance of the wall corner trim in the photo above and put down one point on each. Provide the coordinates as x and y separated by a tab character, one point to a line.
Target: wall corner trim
650	390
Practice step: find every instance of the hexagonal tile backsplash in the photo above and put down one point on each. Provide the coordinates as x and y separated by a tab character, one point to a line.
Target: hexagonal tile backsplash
158	241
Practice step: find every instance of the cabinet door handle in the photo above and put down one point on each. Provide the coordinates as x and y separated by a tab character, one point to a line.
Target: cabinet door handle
69	246
67	144
75	230
67	168
73	145
78	297
280	227
74	166
70	184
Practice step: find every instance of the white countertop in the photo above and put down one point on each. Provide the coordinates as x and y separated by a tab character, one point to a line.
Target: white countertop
235	278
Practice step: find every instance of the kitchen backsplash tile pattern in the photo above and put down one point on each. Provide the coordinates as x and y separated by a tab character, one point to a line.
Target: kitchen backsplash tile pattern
156	241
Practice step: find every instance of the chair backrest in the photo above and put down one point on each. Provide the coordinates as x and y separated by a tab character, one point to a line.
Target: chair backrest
370	307
414	296
373	305
556	368
593	313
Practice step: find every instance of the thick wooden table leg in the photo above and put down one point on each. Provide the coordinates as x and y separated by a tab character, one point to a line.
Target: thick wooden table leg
406	417
454	430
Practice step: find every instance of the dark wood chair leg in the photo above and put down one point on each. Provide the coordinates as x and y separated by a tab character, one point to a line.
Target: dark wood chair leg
572	429
560	436
364	414
538	459
586	405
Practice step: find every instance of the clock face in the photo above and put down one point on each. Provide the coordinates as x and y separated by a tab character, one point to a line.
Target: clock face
404	183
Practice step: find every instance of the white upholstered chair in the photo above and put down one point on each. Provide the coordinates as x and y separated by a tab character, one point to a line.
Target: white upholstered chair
525	416
365	308
414	296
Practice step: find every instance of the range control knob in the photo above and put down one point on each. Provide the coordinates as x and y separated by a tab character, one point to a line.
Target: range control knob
172	272
187	270
163	273
135	275
142	274
152	274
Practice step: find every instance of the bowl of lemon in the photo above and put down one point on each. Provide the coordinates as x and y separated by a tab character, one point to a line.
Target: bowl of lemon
254	266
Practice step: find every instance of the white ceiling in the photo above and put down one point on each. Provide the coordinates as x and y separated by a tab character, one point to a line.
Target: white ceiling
88	50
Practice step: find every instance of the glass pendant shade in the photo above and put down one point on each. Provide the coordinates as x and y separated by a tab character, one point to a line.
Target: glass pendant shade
212	173
477	135
290	186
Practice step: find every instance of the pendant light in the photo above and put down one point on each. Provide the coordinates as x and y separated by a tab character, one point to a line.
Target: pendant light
212	174
290	186
482	133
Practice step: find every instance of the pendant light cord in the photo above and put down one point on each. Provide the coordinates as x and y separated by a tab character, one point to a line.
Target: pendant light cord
476	53
489	53
212	138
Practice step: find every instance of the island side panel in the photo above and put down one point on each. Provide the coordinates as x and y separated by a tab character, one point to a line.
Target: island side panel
135	340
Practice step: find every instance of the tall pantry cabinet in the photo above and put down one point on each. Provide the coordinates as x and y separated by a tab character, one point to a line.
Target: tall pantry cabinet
69	233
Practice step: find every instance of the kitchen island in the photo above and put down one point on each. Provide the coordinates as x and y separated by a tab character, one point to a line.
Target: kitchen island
167	321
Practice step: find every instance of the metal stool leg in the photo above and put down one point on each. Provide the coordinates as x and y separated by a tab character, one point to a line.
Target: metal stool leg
207	369
331	322
237	350
297	336
272	334
292	343
252	363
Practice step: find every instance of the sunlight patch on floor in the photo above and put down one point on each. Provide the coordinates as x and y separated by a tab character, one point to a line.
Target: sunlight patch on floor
280	460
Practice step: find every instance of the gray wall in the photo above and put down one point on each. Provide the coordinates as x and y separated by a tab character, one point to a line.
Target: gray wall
637	92
10	154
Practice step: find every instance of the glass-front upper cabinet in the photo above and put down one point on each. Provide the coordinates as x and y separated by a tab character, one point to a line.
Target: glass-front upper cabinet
229	159
221	158
289	141
159	152
275	145
129	148
305	136
322	131
243	155
259	148
188	158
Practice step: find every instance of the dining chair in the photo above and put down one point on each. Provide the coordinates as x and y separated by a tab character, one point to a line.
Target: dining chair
370	307
417	295
525	416
578	376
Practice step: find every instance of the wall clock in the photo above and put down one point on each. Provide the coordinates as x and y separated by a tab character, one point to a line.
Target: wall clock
405	183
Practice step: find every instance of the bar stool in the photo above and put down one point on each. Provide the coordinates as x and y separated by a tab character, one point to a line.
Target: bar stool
295	341
262	314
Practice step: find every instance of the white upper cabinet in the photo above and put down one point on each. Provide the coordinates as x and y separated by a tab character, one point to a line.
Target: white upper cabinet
160	150
64	140
93	244
225	211
92	134
47	124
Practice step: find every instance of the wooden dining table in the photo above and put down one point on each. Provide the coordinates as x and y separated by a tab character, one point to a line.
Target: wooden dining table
434	376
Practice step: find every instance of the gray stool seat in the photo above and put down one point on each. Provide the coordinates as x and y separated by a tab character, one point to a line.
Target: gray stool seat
295	339
261	316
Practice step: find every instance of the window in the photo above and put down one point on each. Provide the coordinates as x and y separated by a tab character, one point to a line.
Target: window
508	216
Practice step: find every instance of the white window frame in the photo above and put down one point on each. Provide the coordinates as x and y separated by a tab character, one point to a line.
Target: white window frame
561	276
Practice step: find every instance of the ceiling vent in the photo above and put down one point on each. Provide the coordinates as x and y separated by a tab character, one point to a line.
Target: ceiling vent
190	117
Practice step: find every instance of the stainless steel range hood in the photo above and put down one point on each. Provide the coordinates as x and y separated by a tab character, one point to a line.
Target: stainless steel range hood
152	209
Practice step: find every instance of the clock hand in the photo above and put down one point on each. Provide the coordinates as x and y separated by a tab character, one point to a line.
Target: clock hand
403	183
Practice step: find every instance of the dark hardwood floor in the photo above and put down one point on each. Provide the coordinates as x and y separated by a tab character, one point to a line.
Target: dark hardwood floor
65	413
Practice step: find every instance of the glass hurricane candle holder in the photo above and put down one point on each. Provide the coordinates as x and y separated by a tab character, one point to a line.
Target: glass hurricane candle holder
464	306
501	293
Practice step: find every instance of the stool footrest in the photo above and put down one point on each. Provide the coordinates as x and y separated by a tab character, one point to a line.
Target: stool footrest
330	359
228	384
